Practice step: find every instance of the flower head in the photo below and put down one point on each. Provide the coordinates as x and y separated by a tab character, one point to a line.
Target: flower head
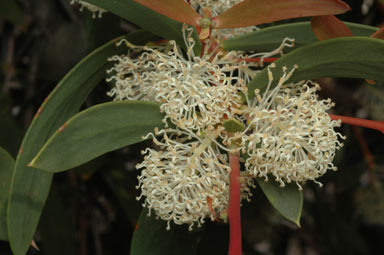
290	135
187	179
194	91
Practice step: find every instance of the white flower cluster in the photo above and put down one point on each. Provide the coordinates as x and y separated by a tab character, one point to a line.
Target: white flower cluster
290	135
287	133
194	92
187	180
216	6
92	8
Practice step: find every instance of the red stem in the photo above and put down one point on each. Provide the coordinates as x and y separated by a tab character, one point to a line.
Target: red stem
234	207
265	60
373	124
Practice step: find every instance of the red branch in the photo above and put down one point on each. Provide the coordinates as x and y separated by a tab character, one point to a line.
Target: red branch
373	124
234	207
265	60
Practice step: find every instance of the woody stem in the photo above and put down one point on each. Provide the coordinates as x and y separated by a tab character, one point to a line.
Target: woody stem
234	206
373	124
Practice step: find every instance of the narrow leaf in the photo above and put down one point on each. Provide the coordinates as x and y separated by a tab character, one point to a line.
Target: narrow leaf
255	12
7	164
30	186
270	38
97	130
328	27
287	200
329	58
147	19
10	10
152	237
178	10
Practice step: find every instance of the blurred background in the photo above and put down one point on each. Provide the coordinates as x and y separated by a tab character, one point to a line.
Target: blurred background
92	209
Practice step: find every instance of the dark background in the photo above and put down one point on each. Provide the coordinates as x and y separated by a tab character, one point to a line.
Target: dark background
92	209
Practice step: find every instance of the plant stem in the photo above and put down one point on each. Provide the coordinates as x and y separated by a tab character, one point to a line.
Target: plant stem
265	60
373	124
234	206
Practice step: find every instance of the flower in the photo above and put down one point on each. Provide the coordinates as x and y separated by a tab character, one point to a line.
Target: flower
287	134
187	180
194	92
290	135
92	8
134	77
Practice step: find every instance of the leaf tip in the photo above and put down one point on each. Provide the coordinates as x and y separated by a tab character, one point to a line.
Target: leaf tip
379	34
345	5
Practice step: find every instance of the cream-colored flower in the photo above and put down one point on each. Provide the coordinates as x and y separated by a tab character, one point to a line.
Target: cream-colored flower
92	8
194	92
187	179
216	6
290	135
135	74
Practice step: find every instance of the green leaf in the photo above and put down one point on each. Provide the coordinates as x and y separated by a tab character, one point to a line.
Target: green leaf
10	10
152	238
58	226
233	125
270	38
30	186
7	164
97	130
255	12
147	19
286	200
337	57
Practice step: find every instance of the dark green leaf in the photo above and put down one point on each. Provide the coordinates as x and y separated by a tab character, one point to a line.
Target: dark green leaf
7	164
97	130
58	224
233	125
152	238
30	186
287	200
147	19
330	58
270	38
10	10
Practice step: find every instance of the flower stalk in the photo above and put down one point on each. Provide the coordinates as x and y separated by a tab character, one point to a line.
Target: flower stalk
372	124
234	216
